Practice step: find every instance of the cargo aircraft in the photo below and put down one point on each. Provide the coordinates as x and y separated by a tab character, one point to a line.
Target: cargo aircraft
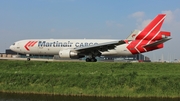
149	39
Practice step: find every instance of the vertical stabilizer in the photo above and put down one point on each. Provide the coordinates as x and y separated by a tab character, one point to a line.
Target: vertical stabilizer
133	35
150	38
152	29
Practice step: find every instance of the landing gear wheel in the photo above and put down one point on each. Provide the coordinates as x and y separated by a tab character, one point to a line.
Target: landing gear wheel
28	59
88	59
93	60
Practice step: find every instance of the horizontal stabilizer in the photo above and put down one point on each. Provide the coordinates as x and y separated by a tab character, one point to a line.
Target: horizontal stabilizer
157	42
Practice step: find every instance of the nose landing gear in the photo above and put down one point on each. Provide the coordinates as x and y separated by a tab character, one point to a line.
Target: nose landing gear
28	59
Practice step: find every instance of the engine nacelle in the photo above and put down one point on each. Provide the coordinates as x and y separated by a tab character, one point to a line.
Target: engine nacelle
70	54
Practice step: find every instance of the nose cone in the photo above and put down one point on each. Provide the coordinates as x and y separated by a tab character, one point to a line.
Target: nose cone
12	47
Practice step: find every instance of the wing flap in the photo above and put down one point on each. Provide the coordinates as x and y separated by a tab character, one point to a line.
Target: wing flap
102	46
157	42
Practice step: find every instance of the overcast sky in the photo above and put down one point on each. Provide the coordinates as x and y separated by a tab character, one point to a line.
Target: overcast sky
104	19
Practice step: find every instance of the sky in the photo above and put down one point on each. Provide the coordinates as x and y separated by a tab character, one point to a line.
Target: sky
91	19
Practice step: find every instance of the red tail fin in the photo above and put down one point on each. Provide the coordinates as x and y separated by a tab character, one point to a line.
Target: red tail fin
149	34
152	29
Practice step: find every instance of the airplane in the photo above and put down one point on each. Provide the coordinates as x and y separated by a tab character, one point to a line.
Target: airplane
149	39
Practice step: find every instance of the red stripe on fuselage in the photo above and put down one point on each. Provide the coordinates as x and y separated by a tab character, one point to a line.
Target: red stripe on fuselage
33	43
29	44
26	45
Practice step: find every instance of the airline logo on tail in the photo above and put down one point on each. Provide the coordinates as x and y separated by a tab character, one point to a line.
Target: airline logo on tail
133	35
149	35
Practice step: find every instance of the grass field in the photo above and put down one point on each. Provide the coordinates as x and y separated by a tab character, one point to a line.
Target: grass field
91	79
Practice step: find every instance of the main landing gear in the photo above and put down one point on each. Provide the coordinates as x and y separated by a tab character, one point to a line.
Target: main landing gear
91	59
91	56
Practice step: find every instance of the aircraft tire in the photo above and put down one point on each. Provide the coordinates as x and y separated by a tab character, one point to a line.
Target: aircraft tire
88	59
93	60
28	59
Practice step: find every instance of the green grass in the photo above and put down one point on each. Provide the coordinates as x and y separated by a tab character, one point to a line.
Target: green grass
91	79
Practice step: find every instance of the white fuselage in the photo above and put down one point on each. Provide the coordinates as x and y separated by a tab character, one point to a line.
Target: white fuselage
53	46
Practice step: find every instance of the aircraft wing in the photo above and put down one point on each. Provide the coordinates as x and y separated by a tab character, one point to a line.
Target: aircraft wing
157	42
102	46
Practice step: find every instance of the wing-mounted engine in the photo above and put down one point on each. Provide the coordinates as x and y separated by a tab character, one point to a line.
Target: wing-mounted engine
70	54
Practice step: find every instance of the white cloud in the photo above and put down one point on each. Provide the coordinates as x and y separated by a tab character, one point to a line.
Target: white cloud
140	22
172	21
169	16
138	14
143	24
113	24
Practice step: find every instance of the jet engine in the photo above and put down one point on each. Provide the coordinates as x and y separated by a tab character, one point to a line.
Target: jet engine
70	54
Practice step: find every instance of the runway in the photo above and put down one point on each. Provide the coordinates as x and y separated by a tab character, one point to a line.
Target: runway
40	59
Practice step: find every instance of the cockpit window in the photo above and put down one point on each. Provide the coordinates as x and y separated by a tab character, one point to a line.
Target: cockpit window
13	43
